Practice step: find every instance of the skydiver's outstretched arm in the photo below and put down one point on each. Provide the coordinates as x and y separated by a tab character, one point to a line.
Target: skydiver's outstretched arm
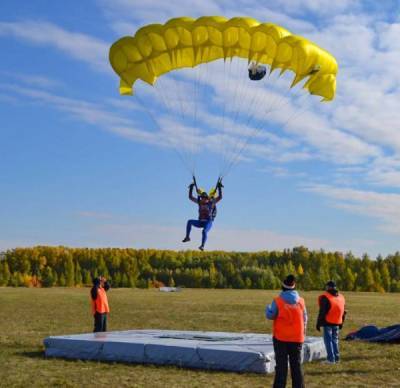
219	187
193	199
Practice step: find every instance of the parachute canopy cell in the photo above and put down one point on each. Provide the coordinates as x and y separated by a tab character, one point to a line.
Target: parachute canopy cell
182	42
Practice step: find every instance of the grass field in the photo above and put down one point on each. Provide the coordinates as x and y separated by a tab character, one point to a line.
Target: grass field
29	315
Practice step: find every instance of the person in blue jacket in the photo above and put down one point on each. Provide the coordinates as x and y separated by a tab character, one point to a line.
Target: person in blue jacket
288	334
290	295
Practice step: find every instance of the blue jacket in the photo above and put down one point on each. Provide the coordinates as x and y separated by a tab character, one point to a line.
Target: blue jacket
289	296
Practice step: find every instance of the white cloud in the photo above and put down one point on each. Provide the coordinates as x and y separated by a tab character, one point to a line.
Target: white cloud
384	207
35	80
319	7
282	172
127	16
384	171
79	46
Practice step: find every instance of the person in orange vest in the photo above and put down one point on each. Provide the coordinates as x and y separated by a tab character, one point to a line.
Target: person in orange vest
331	317
288	311
99	301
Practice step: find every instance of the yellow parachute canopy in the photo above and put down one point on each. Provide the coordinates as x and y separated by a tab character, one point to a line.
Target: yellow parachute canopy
185	42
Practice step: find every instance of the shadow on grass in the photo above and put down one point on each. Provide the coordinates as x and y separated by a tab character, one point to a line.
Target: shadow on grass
33	354
345	371
356	357
177	368
19	349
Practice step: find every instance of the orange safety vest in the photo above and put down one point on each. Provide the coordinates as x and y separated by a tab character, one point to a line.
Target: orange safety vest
100	304
289	323
336	311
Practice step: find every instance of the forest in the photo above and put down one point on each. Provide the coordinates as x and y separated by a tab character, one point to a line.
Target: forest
46	266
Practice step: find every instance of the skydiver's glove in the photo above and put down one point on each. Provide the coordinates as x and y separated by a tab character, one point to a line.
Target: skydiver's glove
191	186
220	185
318	327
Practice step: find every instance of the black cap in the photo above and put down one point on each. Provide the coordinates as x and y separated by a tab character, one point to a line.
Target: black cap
331	284
289	283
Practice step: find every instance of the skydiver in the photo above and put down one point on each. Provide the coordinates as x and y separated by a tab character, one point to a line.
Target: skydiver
257	72
207	211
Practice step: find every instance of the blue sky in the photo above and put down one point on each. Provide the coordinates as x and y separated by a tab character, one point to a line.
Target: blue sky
83	166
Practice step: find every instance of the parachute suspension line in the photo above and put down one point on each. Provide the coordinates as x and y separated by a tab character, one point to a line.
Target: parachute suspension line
237	103
203	71
205	83
201	75
173	105
255	102
178	98
279	104
164	91
195	104
260	101
297	113
223	146
231	153
253	108
247	108
287	97
242	96
180	156
246	104
273	104
216	87
167	101
181	98
239	144
187	122
259	128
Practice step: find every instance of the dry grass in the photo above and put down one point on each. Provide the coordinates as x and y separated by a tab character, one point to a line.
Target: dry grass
29	315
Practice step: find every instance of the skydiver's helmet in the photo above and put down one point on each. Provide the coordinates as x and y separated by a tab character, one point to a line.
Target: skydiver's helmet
212	193
202	193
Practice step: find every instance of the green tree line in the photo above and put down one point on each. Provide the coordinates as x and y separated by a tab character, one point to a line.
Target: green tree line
45	266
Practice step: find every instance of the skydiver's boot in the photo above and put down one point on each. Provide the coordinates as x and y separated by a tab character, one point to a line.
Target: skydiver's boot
186	239
201	247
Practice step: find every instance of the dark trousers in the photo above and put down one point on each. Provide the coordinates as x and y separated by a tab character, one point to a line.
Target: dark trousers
100	322
283	352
